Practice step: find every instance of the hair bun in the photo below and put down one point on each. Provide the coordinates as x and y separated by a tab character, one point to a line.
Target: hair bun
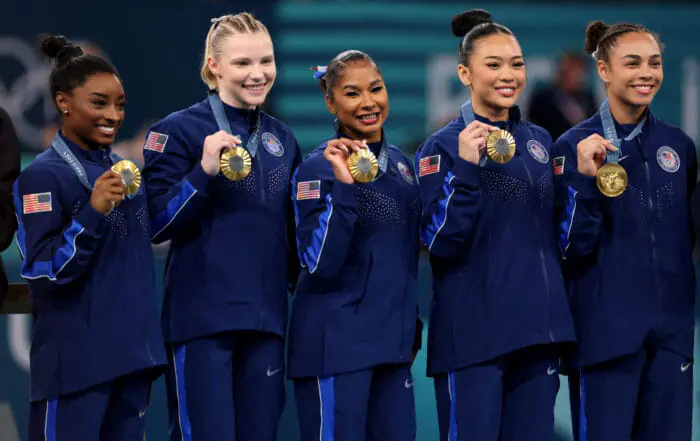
466	21
59	48
594	33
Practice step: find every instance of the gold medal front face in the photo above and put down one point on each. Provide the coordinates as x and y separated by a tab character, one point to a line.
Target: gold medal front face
363	166
130	174
611	180
500	146
235	163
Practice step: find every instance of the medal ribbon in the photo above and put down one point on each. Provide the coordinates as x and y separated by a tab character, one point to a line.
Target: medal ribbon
222	121
67	155
611	134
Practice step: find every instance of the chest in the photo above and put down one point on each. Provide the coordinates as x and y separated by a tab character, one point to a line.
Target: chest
391	200
128	219
526	179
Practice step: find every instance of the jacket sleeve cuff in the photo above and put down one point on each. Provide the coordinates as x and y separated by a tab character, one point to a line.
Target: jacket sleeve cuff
466	173
90	219
585	186
344	193
199	179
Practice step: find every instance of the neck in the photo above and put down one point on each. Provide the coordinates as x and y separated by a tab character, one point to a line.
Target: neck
372	137
228	98
625	114
489	112
71	136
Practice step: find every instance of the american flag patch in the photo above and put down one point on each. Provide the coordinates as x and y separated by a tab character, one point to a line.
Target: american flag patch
308	190
156	142
429	165
36	203
558	165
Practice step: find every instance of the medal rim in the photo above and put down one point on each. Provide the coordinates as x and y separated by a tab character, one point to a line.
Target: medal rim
126	164
611	165
353	161
491	141
226	167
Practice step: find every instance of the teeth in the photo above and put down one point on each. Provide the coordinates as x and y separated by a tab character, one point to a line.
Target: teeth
256	88
643	88
368	117
106	129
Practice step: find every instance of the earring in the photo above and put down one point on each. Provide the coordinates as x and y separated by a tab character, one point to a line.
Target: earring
65	111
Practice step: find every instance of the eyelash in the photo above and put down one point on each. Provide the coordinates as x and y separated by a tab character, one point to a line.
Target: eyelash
374	90
516	65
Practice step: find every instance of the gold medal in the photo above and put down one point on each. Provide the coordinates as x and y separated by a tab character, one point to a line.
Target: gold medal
500	146
363	165
611	180
130	174
235	163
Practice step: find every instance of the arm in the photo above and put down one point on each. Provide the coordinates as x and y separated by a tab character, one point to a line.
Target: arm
54	245
326	212
451	199
577	204
176	183
293	266
9	171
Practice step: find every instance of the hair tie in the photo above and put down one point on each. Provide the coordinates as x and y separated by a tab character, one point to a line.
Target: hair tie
319	71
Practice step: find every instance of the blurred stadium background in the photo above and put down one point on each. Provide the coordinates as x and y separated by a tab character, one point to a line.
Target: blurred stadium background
157	47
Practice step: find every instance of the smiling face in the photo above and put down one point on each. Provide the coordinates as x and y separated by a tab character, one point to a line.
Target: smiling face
360	101
245	69
95	110
496	75
634	71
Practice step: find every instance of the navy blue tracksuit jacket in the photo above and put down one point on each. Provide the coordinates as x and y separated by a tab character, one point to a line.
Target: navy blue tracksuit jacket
232	254
628	260
90	276
492	235
355	305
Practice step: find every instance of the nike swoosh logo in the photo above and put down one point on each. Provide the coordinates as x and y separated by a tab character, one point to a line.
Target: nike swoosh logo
271	373
408	384
686	366
551	371
623	157
142	413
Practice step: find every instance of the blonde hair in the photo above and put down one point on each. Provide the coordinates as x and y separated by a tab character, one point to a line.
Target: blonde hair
222	28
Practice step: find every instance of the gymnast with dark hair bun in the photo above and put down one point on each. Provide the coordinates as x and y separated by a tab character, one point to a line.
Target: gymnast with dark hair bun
625	180
499	319
84	236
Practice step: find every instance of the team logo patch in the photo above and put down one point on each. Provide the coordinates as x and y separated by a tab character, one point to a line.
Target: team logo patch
272	144
537	151
156	142
405	173
558	165
308	190
428	165
668	159
36	203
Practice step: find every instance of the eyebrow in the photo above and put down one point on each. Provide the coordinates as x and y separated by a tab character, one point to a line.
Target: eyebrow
501	58
352	86
638	57
98	94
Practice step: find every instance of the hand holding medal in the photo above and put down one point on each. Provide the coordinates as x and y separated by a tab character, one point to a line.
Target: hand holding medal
352	161
473	140
130	176
591	153
214	153
107	192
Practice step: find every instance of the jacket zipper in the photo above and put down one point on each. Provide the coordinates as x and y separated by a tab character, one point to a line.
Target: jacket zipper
542	260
